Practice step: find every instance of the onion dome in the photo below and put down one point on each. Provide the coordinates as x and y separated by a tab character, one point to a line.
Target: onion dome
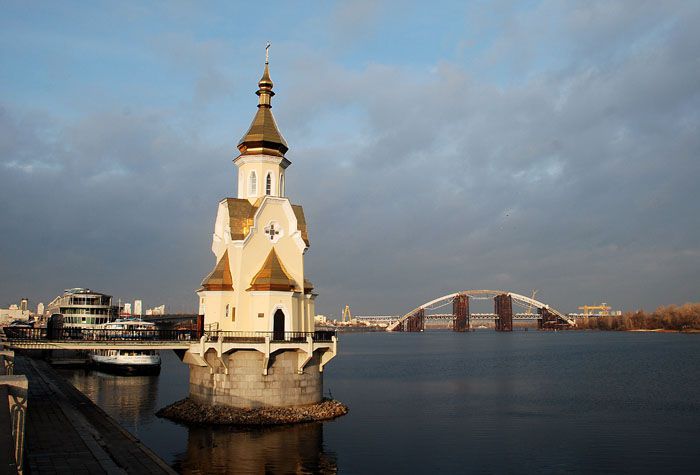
263	136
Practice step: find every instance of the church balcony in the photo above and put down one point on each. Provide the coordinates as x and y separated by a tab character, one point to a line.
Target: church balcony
323	343
274	337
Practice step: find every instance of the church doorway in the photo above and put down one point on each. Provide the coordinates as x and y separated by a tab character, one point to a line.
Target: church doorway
278	325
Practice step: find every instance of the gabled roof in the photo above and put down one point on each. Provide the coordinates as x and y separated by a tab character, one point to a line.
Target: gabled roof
301	223
220	277
240	217
241	214
272	276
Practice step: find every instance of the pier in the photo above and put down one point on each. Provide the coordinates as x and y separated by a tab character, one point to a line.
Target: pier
62	431
65	432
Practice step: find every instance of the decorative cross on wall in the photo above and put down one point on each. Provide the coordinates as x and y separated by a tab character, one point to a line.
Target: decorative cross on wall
271	231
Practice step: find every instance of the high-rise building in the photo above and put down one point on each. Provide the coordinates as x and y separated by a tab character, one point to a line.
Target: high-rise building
40	309
138	308
127	308
24	304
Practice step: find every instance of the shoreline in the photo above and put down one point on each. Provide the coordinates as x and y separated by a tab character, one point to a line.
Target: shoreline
188	412
658	330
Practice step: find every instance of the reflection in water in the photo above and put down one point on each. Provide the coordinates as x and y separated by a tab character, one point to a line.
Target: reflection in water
550	402
129	399
292	449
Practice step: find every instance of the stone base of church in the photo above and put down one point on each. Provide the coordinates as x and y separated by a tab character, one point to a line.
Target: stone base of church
245	385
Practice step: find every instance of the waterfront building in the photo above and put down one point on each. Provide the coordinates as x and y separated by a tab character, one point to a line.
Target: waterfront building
83	308
127	308
258	284
138	308
40	309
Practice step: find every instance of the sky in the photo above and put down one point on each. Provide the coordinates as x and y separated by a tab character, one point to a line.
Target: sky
435	146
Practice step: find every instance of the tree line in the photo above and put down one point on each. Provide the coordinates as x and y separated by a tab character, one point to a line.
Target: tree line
672	317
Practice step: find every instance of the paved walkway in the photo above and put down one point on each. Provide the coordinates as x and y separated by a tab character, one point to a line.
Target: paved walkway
67	433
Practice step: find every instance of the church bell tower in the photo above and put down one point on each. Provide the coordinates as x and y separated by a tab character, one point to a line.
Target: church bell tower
258	284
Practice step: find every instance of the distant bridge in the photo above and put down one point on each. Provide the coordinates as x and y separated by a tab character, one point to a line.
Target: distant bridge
503	316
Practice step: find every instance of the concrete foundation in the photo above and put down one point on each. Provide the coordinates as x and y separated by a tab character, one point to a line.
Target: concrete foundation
245	386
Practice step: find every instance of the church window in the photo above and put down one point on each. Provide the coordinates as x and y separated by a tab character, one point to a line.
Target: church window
261	315
253	184
268	184
274	231
226	310
281	184
233	314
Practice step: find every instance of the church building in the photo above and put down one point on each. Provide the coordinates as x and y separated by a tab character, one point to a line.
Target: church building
260	347
260	237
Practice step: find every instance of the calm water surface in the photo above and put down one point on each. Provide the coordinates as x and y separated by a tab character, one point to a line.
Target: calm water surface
442	402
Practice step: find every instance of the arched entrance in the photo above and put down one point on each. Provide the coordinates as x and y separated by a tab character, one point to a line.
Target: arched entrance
278	325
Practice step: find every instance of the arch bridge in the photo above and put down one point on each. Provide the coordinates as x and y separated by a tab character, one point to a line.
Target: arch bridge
547	317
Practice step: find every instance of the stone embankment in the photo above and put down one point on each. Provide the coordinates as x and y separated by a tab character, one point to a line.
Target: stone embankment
189	412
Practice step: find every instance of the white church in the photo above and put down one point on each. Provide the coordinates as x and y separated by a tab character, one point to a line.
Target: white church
258	281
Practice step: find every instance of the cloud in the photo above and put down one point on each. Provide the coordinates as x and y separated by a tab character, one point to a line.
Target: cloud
576	175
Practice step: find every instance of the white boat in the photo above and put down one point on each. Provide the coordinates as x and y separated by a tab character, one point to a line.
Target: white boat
127	361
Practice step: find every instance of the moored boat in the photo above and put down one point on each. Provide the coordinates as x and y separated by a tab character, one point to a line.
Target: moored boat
127	361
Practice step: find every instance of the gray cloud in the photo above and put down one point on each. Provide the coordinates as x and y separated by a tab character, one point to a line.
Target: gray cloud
579	179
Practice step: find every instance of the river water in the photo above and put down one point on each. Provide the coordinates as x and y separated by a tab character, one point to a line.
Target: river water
443	402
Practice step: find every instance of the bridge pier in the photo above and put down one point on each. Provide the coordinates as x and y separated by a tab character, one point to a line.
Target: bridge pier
503	307
414	323
460	312
549	320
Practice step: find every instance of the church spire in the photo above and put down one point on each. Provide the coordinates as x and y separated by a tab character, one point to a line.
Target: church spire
263	136
265	92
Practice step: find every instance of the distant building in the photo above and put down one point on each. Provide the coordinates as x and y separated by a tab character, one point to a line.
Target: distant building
14	312
24	305
127	308
160	310
40	309
138	308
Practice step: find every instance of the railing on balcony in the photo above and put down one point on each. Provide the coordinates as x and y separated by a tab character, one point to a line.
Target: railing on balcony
260	337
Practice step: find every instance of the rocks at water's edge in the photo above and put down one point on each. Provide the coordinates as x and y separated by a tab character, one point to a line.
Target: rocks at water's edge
190	412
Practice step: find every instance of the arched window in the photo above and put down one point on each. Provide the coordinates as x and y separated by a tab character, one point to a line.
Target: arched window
268	184
253	184
281	184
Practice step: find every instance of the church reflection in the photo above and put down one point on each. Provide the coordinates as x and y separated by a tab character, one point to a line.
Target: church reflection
290	449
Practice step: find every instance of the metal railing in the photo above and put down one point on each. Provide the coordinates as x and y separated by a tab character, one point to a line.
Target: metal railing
95	334
157	335
260	337
13	412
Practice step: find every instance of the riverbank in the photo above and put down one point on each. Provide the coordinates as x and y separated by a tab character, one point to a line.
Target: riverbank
66	432
189	412
672	318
